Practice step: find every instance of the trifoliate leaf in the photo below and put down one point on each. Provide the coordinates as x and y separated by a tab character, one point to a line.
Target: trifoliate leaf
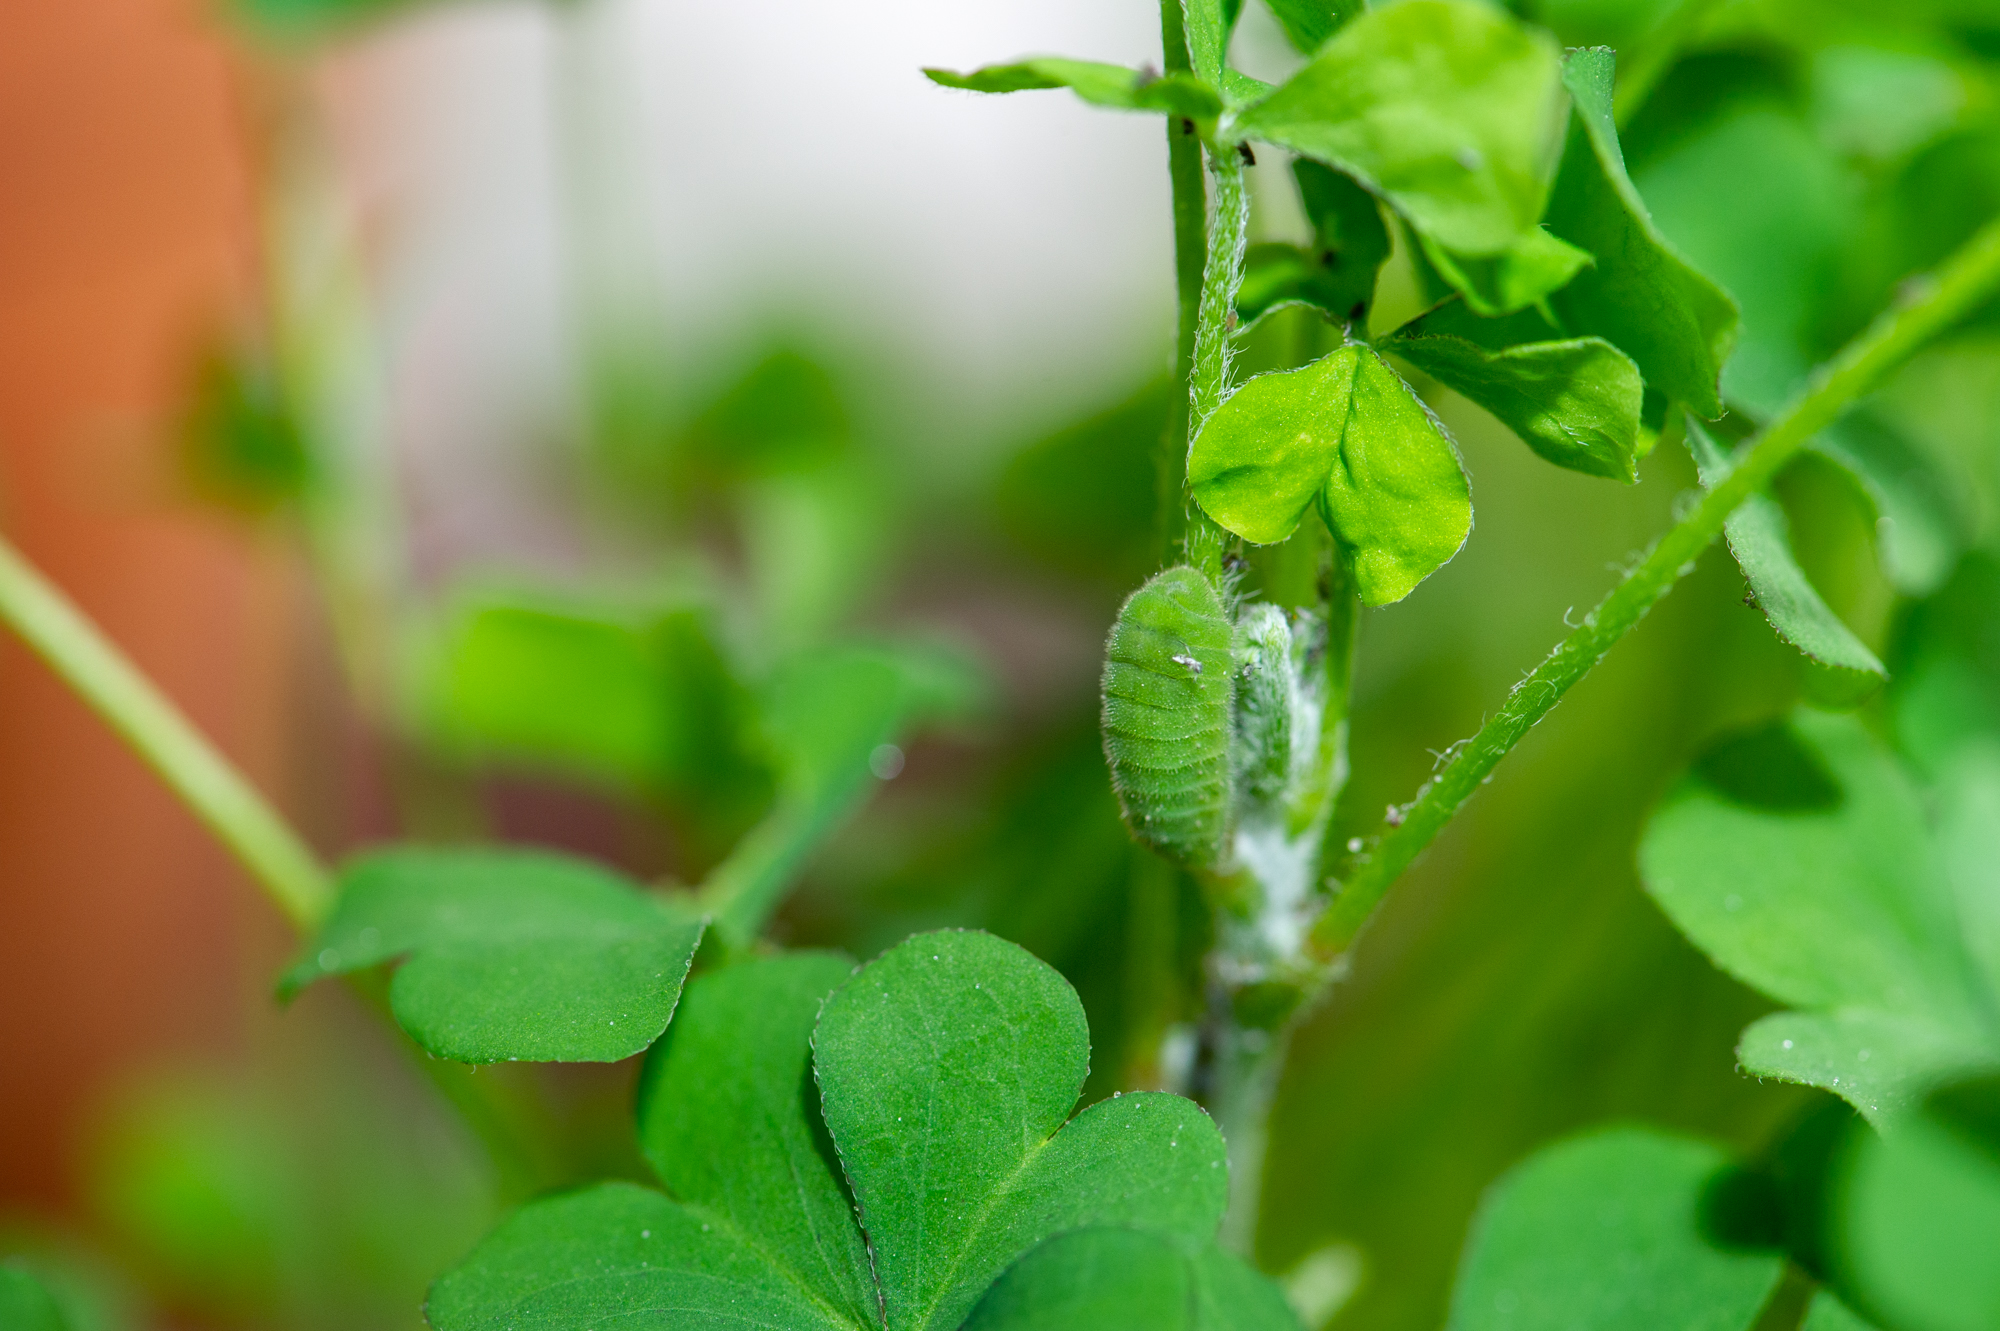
1757	535
25	1303
1308	23
1444	109
1919	1213
1100	84
1347	433
947	1069
621	1255
1640	296
1575	401
1610	1232
1798	859
1106	1279
942	1073
1167	692
508	954
728	1120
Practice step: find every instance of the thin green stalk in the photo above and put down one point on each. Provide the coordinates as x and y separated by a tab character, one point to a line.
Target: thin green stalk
1190	250
1926	307
1208	379
82	657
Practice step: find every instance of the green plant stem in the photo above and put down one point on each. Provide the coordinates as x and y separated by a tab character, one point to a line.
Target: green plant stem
1926	307
1190	251
130	704
1208	379
277	860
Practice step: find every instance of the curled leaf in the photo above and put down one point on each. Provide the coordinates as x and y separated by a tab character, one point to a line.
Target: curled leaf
1100	84
1575	401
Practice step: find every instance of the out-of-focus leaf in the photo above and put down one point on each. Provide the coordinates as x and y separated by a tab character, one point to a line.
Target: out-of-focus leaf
1099	84
511	955
1755	201
1444	109
1640	296
638	696
814	545
832	714
1105	1279
1827	1313
1308	23
1345	432
1799	860
1882	103
947	1068
1946	693
1575	401
784	415
24	1304
240	434
1167	691
729	1121
1758	537
1920	1213
1968	830
1082	500
1919	533
1337	272
1612	1231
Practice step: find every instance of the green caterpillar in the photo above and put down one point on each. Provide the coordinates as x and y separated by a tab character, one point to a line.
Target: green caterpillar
1169	691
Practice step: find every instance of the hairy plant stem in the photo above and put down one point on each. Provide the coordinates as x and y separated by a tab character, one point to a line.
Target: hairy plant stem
1208	377
262	842
277	860
1926	306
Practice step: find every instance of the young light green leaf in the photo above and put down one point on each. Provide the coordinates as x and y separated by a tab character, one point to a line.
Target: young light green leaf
1640	296
1308	23
1338	272
1347	433
728	1118
1444	109
1207	24
25	1303
1920	1213
508	954
1100	84
946	1068
620	1255
1167	694
1757	535
1575	401
1608	1232
1105	1279
1798	859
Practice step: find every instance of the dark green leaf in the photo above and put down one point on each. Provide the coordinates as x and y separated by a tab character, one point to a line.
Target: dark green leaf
1105	1279
729	1119
1640	296
1575	401
1798	859
625	1256
25	1305
1758	537
510	954
1920	1213
1444	109
946	1068
1308	23
1610	1232
1099	84
1347	433
1167	692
